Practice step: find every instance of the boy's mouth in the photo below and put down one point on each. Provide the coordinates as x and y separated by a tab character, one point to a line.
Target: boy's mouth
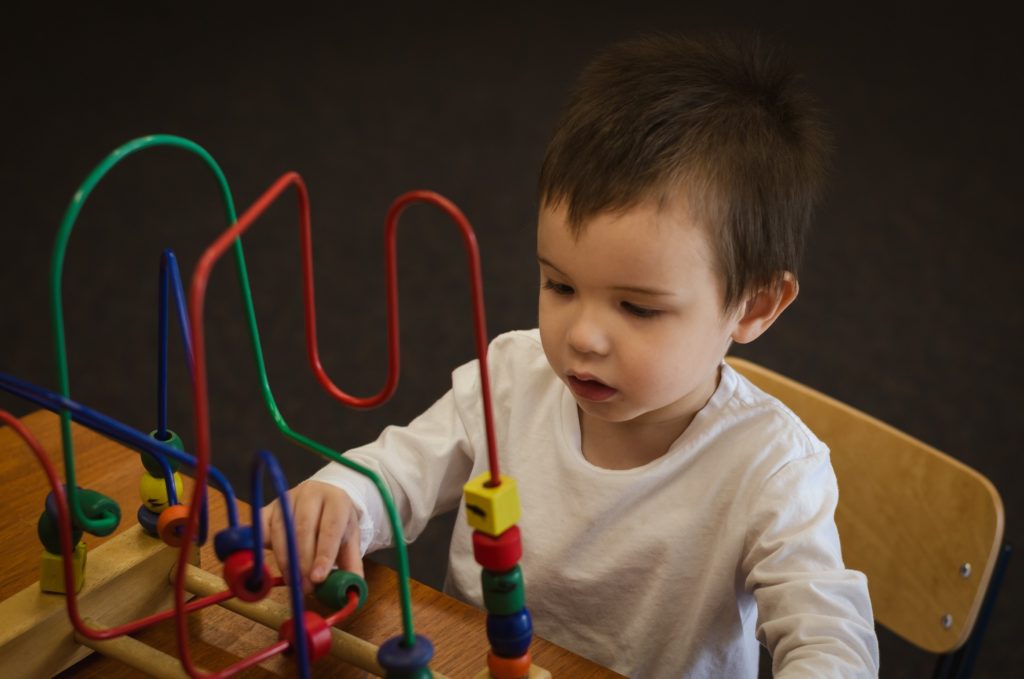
591	390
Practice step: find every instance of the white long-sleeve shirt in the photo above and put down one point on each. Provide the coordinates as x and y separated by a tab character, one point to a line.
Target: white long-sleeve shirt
673	569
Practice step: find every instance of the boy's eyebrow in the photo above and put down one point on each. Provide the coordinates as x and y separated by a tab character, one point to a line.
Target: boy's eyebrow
549	264
651	292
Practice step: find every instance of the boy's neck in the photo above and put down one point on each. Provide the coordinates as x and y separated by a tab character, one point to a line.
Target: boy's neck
627	445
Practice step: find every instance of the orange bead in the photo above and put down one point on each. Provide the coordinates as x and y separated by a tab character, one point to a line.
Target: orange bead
171	524
509	668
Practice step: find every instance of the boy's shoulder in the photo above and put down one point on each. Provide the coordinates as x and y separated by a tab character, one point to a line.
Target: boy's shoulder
756	415
514	359
528	339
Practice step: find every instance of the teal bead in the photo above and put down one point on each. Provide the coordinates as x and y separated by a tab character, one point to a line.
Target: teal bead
150	462
96	506
334	590
504	593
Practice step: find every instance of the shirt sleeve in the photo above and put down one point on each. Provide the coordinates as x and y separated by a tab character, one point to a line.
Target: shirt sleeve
423	465
814	615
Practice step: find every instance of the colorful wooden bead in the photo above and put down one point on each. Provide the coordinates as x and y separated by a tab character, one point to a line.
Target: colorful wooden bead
51	575
49	533
400	660
318	635
504	593
97	506
334	590
242	581
153	491
498	553
150	462
233	539
148	521
491	509
510	635
171	524
508	668
94	505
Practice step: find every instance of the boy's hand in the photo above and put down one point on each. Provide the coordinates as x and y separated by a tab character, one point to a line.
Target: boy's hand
326	532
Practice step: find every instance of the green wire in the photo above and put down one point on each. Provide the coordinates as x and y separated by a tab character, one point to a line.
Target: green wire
106	523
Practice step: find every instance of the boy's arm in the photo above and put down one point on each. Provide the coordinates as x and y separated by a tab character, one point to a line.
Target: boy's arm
814	615
424	466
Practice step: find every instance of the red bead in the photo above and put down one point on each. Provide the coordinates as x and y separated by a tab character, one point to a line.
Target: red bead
318	635
509	668
171	524
500	553
238	573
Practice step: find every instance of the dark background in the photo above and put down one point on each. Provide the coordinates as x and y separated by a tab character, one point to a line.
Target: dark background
910	298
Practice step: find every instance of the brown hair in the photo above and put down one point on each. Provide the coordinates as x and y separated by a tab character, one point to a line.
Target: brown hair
721	118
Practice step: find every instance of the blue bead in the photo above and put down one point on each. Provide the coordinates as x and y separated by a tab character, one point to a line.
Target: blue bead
233	539
510	635
396	658
147	519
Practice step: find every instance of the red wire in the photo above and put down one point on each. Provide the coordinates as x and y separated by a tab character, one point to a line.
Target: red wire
342	613
197	295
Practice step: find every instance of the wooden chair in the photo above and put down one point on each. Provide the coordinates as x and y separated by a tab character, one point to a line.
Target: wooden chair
926	529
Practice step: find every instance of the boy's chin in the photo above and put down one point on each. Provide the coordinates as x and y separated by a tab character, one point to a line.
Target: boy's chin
612	413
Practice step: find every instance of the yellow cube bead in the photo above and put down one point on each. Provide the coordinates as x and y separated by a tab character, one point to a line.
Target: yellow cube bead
51	577
491	510
153	492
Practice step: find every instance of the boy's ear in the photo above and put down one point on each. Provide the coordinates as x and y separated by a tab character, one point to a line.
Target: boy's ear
763	307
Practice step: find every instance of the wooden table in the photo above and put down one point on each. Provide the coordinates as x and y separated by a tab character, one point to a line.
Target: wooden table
220	637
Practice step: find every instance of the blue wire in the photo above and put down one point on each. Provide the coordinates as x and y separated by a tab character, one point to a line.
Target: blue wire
181	311
161	353
265	459
170	284
122	433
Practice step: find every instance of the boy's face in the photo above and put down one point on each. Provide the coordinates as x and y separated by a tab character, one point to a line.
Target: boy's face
631	314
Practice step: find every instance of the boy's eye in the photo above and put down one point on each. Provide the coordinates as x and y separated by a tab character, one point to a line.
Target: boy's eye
558	288
639	311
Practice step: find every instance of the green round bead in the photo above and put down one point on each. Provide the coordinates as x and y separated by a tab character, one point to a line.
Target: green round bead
49	534
150	462
334	590
504	593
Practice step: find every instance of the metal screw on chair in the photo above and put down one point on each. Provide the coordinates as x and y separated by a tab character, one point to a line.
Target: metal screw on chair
947	621
965	570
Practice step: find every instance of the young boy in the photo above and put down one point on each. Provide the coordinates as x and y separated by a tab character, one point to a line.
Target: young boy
672	514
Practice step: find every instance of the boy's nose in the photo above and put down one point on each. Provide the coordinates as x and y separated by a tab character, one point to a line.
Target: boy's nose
587	336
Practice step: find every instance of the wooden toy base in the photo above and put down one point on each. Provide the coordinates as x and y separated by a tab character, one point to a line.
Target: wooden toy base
127	578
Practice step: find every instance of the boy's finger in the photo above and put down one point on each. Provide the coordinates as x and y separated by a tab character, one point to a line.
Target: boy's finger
328	540
307	517
266	520
279	541
350	556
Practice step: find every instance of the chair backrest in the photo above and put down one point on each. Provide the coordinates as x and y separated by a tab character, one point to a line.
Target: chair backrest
924	528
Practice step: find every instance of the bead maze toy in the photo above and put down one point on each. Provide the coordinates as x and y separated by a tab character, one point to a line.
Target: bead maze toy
158	559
